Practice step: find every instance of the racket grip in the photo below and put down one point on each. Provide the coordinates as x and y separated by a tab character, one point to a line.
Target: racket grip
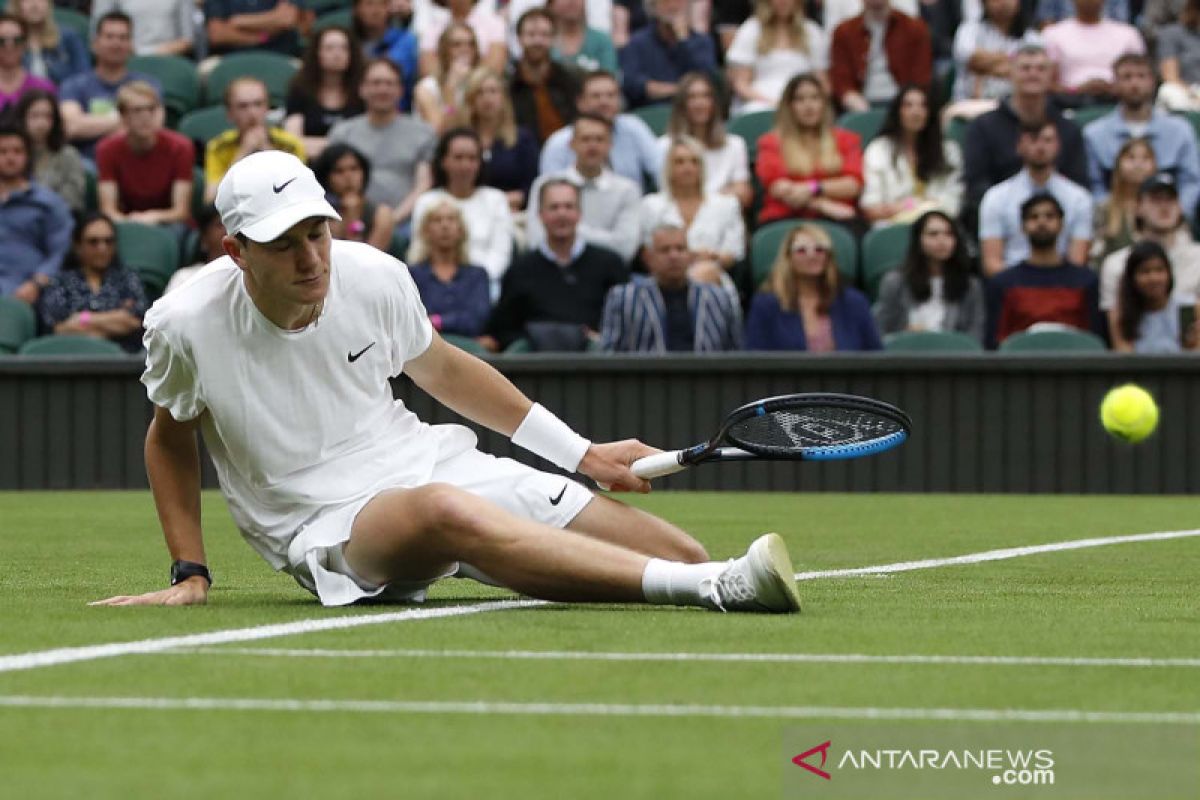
657	465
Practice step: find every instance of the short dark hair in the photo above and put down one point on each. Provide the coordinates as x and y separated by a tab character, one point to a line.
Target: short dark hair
115	16
558	181
1035	127
10	130
387	62
1135	59
590	117
596	75
534	13
1039	199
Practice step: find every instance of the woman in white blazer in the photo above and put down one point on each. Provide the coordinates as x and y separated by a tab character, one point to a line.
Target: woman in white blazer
716	232
909	168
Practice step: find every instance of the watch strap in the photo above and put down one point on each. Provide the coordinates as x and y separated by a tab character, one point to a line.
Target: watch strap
182	570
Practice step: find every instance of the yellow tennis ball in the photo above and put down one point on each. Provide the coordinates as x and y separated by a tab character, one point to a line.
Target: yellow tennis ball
1129	413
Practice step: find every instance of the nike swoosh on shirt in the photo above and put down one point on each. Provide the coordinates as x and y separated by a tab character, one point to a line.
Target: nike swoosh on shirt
352	357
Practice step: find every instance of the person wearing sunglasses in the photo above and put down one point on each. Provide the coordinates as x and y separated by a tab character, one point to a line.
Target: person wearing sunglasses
803	304
94	294
15	80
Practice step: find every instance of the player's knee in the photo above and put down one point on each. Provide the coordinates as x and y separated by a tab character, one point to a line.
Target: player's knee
447	509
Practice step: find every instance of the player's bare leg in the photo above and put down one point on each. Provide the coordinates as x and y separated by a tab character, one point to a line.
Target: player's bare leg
416	534
612	521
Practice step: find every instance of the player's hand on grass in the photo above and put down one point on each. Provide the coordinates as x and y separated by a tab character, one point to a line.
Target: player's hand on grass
190	592
608	465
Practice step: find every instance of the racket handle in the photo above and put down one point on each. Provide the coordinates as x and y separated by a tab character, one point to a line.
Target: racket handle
657	465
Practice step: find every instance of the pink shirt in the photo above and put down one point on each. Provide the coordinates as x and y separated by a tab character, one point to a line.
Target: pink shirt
1086	52
30	82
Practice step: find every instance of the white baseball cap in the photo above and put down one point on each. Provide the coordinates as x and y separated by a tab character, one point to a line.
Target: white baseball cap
268	192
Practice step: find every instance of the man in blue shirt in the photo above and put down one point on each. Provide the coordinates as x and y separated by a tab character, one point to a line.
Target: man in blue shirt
660	54
273	25
35	223
1135	116
634	147
89	100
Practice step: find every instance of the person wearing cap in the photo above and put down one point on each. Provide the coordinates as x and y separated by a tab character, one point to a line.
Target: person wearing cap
1001	237
281	352
1160	219
1171	137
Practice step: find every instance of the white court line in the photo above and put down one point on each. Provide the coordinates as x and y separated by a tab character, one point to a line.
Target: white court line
47	658
997	555
67	655
753	658
484	708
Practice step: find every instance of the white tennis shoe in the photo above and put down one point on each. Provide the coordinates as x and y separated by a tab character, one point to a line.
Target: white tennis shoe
762	580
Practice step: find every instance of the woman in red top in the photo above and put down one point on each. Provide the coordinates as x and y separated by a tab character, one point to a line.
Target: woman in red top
807	167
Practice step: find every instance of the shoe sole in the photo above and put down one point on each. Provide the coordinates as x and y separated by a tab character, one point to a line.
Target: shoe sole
770	552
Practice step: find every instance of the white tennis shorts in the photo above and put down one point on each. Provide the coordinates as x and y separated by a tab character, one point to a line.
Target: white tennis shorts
316	558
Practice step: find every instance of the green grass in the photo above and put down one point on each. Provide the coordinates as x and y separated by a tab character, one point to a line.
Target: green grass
62	550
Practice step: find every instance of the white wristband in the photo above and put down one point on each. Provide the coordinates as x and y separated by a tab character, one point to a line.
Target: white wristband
545	435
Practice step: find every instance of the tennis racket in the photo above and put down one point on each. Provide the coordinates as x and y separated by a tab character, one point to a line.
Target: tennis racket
803	427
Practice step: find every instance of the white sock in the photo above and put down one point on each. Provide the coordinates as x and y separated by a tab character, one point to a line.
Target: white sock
673	583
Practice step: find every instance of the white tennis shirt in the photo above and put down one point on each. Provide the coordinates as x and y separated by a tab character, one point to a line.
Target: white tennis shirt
298	421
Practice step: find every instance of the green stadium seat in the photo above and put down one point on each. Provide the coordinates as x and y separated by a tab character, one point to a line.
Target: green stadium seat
956	131
1193	117
197	192
882	250
204	124
930	342
73	20
398	248
750	127
323	7
765	244
655	116
150	251
1083	116
180	82
465	343
865	123
91	191
1048	341
522	345
62	345
273	69
18	324
341	17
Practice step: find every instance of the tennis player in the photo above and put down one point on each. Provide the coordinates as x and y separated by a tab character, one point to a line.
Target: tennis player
281	351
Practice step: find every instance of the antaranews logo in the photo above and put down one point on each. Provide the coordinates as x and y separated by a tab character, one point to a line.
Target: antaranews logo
1008	767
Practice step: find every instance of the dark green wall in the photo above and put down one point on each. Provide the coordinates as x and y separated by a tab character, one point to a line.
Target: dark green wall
992	423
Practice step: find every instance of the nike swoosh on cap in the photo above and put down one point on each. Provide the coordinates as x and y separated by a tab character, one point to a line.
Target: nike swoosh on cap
282	186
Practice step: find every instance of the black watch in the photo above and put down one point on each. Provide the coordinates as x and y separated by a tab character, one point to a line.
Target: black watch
182	570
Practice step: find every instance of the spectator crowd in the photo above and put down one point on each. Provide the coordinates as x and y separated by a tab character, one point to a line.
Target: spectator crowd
630	175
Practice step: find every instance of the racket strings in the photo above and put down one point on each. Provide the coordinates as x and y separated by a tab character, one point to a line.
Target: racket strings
787	430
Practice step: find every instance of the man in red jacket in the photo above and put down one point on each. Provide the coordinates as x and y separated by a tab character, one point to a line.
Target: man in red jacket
874	54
